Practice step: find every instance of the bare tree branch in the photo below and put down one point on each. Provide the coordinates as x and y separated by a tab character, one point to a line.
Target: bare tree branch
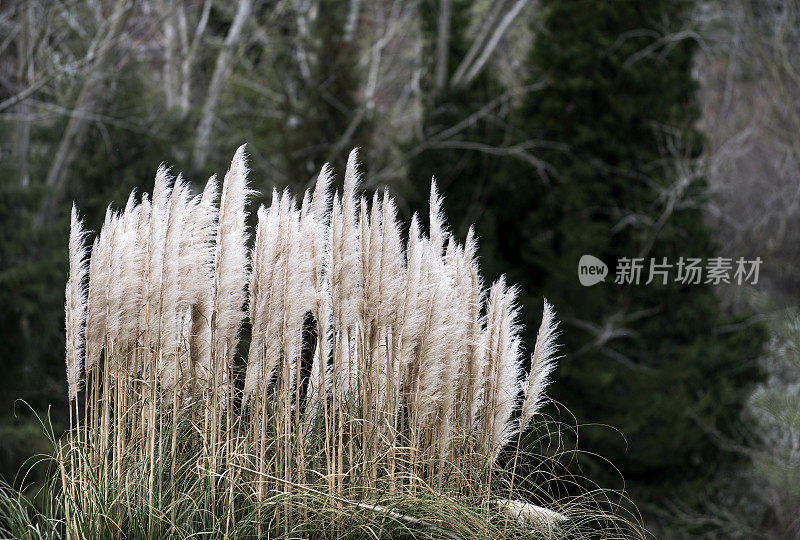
220	75
75	132
443	42
495	39
483	34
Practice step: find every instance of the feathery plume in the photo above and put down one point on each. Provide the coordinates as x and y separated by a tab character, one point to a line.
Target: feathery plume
99	280
437	228
321	199
432	366
314	228
470	293
299	279
265	298
171	309
202	277
230	260
502	373
436	363
413	312
543	362
75	304
127	276
142	229
345	275
195	282
382	262
156	237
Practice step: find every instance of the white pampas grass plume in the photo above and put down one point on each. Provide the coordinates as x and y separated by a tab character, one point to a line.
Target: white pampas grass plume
266	316
470	294
437	229
437	350
543	362
437	369
314	228
530	514
454	266
99	280
321	199
502	371
413	313
230	259
75	304
127	276
202	286
298	295
299	284
171	309
258	300
114	322
196	259
142	229
391	285
345	250
382	262
433	364
156	236
345	275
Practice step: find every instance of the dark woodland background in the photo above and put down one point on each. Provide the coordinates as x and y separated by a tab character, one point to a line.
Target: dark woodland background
635	128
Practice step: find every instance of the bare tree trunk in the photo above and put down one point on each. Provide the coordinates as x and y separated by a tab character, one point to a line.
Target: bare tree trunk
416	91
22	132
495	39
221	72
191	54
75	133
384	32
443	42
170	51
304	59
22	138
483	34
352	20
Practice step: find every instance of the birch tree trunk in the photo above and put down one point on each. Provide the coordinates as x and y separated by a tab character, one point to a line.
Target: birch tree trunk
169	11
25	72
483	34
443	42
494	40
352	20
220	75
75	133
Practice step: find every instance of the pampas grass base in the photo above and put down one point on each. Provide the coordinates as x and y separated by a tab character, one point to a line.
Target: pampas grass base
184	506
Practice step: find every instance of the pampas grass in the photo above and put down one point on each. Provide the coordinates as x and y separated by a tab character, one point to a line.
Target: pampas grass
75	304
379	371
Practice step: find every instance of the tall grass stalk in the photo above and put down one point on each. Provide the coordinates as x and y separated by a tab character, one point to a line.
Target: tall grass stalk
380	372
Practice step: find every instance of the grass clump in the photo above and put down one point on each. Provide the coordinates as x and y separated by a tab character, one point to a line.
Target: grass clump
382	380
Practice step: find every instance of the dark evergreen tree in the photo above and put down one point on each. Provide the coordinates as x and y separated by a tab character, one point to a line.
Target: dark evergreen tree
648	368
